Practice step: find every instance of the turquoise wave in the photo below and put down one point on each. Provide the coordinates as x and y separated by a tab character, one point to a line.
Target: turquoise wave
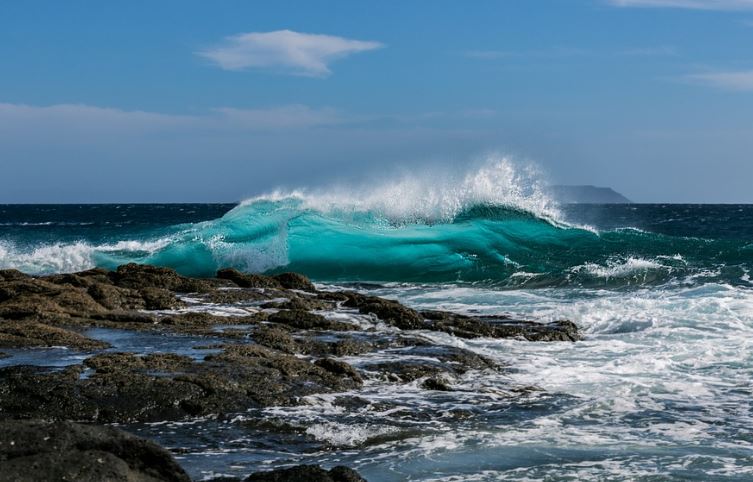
496	244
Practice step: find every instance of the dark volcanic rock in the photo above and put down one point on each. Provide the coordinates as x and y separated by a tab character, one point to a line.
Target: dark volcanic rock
138	276
82	279
35	450
25	333
307	321
12	275
115	298
126	387
277	338
388	311
500	327
41	299
295	281
159	299
339	368
436	384
307	473
248	280
300	304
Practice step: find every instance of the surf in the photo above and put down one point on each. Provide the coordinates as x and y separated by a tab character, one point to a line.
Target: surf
493	225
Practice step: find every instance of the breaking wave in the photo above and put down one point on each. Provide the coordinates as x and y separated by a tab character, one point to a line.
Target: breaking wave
494	225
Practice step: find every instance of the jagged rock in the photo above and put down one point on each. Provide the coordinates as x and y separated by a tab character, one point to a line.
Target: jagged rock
26	333
500	327
277	338
127	388
307	473
82	279
300	304
12	275
32	450
339	368
388	311
295	281
138	276
158	299
436	384
248	280
115	298
307	321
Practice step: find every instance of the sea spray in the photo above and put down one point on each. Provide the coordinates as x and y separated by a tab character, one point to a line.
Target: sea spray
492	225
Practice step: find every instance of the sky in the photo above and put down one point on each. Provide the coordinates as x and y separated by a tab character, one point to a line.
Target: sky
199	101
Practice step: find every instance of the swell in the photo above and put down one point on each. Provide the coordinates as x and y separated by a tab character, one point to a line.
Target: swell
506	246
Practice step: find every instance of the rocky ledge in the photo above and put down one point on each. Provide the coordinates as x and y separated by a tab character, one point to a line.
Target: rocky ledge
33	450
285	340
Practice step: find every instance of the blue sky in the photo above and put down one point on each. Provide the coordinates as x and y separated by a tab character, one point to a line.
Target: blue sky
216	101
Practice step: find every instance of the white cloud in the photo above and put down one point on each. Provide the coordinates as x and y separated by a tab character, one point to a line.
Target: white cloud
284	50
739	80
62	117
691	4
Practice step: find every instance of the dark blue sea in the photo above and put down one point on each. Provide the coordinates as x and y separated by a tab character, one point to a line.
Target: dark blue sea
660	388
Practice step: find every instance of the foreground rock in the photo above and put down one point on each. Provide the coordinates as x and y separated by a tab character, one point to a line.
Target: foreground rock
282	346
35	450
128	388
307	473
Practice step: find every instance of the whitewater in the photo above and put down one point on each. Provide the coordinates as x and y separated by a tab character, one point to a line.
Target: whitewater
660	387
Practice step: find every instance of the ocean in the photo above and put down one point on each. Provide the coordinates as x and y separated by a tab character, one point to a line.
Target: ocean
659	388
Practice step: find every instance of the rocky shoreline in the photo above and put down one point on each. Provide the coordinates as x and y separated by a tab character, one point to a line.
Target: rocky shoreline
285	340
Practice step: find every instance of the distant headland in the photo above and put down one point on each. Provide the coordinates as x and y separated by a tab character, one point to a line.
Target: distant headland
587	195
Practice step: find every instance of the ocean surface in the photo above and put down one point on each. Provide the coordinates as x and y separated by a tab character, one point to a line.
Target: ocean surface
660	388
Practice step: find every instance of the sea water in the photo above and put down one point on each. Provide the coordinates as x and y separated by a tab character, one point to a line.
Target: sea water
660	387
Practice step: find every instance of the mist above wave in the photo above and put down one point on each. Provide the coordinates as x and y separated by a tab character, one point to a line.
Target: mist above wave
432	197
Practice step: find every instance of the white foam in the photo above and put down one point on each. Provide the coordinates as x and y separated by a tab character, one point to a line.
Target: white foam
68	257
437	196
347	435
619	268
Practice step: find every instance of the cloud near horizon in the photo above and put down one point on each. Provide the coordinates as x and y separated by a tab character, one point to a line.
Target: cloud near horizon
285	51
688	4
733	80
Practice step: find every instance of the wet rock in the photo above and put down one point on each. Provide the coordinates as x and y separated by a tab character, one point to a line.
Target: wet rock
499	327
159	299
339	368
34	392
44	300
82	279
436	384
127	388
304	320
132	317
432	361
389	311
235	295
36	450
276	338
307	473
12	275
350	346
295	281
138	276
114	298
300	304
248	280
406	371
26	333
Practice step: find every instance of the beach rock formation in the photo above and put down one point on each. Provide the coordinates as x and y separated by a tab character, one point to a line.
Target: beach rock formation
33	450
